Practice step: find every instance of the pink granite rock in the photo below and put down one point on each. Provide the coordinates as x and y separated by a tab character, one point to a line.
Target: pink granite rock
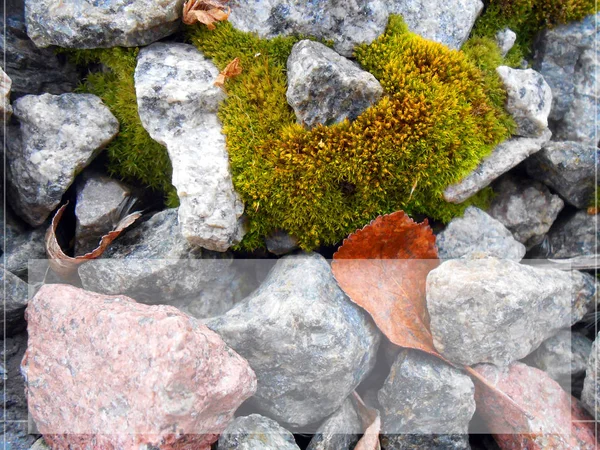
105	372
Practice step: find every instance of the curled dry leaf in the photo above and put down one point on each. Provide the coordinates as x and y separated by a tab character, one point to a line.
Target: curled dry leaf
65	265
206	12
233	69
371	422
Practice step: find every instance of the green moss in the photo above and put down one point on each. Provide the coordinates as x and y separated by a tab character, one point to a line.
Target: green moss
526	18
133	155
439	117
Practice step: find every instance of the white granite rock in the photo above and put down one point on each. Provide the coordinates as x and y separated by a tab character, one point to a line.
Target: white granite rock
5	108
505	39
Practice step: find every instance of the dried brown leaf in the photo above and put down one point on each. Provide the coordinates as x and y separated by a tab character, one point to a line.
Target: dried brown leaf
233	69
65	265
206	12
371	421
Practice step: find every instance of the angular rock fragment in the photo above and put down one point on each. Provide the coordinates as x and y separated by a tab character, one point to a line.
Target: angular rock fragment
81	24
529	99
575	234
340	431
308	344
505	39
563	356
568	58
446	21
108	357
178	104
346	22
155	264
499	311
256	432
326	88
41	163
15	295
503	158
100	202
5	108
477	232
570	168
527	208
279	243
425	442
590	396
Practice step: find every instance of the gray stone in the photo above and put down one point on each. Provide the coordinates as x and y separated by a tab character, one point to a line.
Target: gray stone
505	39
590	396
41	164
82	24
32	70
345	22
527	208
100	203
563	356
499	311
309	345
424	395
340	431
503	158
529	99
326	88
15	295
5	108
178	104
21	244
569	168
446	21
477	232
40	444
279	243
573	235
154	264
256	432
425	442
569	60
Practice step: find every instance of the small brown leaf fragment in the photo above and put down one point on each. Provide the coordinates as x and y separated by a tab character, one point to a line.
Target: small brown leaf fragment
65	265
206	12
371	421
593	210
233	69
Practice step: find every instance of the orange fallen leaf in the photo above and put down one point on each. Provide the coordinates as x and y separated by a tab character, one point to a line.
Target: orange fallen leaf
65	265
206	12
233	69
383	268
593	210
371	421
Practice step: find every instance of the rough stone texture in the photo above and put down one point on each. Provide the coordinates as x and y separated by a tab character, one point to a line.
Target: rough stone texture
425	442
15	435
256	432
574	235
346	22
32	70
423	395
340	431
41	163
569	168
40	444
498	311
162	369
529	99
155	264
564	356
590	396
279	243
477	232
527	208
15	294
178	105
505	39
82	24
21	244
503	158
100	202
445	21
568	59
5	108
326	88
308	344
